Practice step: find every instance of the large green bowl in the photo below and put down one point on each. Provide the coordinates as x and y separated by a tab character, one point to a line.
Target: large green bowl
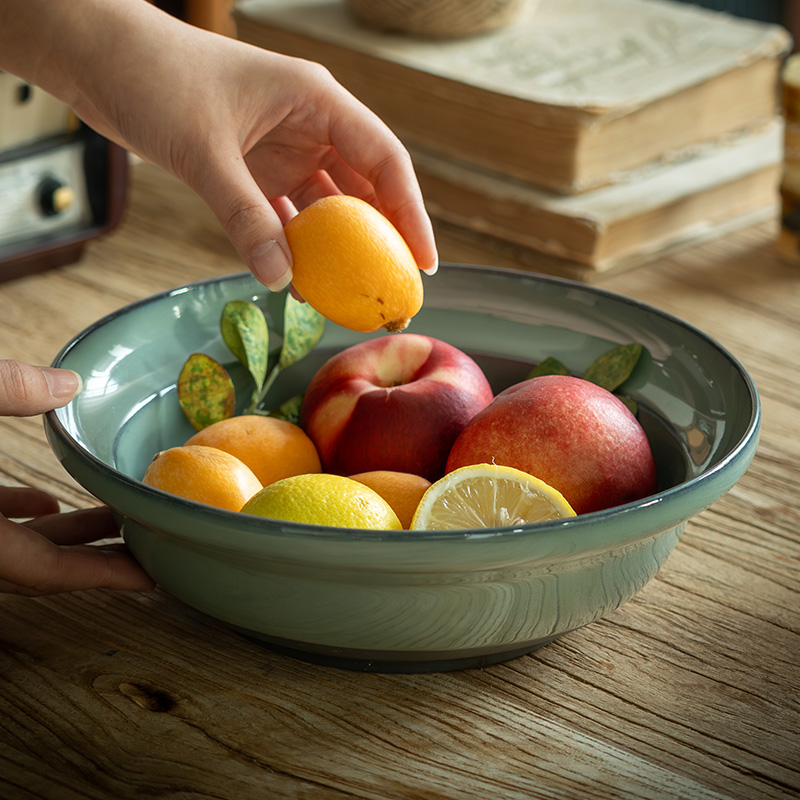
407	601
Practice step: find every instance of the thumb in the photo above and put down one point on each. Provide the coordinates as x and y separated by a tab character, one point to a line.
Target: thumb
251	223
26	390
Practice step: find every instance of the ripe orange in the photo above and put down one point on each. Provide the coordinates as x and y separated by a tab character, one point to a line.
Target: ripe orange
204	474
352	265
401	490
273	448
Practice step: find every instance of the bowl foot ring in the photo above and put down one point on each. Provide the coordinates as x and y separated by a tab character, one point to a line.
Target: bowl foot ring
408	662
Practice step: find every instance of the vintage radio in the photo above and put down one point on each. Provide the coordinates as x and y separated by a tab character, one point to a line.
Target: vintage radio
61	184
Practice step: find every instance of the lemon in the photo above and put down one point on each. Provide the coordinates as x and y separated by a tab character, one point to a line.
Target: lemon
324	499
488	496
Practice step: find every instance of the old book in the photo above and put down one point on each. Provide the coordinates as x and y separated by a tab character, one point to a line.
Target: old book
462	245
569	98
700	194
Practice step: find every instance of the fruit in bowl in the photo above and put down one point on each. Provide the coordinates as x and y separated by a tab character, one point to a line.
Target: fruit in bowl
319	499
393	403
273	448
574	435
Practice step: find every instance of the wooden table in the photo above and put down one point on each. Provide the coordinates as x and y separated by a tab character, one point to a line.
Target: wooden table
689	691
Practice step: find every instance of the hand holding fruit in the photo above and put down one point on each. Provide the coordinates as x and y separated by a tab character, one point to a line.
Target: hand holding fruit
255	134
45	554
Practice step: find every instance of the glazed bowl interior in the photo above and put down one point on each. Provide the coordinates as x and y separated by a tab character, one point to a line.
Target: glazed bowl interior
406	600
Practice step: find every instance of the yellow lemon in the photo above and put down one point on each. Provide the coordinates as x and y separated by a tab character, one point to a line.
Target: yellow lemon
488	496
324	499
352	265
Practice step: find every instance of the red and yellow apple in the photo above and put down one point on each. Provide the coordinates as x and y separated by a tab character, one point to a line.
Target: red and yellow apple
392	403
568	432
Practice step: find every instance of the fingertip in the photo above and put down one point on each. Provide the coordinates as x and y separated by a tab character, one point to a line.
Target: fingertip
432	270
429	260
122	571
271	265
26	390
421	239
64	384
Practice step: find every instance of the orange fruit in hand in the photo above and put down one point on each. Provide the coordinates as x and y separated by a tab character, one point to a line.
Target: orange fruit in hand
401	490
204	474
273	448
352	266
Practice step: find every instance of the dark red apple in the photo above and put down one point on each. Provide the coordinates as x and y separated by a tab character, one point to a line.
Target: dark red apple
392	403
568	432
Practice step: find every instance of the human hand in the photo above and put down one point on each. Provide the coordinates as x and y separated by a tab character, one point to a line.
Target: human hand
48	553
255	134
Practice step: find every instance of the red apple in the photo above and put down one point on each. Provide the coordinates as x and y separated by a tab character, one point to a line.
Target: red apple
568	432
392	403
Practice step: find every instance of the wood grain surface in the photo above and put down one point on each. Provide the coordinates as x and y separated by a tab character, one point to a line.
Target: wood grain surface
689	690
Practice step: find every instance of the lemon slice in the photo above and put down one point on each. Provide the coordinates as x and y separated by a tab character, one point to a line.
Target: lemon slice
488	496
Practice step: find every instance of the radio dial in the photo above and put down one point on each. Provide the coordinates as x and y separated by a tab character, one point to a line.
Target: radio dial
55	197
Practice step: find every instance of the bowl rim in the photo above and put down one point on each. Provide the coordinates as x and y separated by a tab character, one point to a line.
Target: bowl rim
243	523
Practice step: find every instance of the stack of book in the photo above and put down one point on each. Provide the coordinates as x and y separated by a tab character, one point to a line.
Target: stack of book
587	137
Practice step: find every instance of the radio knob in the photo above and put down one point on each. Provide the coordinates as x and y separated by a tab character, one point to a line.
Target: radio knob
55	197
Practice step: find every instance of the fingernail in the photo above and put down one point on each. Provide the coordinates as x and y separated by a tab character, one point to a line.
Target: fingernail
271	266
63	383
431	270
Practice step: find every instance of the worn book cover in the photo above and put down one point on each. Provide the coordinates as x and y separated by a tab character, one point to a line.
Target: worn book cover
683	201
569	97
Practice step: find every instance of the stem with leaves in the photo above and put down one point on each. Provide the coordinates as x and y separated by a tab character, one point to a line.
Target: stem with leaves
205	389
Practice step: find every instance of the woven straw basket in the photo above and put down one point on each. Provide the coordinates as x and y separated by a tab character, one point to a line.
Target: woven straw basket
443	19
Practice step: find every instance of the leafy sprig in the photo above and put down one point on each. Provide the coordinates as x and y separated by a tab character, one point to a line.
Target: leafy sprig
610	370
205	389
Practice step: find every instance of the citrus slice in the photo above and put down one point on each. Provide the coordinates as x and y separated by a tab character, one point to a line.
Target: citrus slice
488	496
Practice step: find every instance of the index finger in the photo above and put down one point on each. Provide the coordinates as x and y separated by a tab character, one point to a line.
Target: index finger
369	147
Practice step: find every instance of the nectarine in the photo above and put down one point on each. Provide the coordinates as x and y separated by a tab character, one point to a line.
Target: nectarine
392	403
568	432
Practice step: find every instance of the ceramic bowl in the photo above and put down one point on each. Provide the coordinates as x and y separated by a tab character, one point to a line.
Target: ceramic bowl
407	601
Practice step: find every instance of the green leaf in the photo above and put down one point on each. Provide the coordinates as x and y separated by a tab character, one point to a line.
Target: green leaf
244	330
290	410
205	391
550	366
633	406
613	368
302	329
